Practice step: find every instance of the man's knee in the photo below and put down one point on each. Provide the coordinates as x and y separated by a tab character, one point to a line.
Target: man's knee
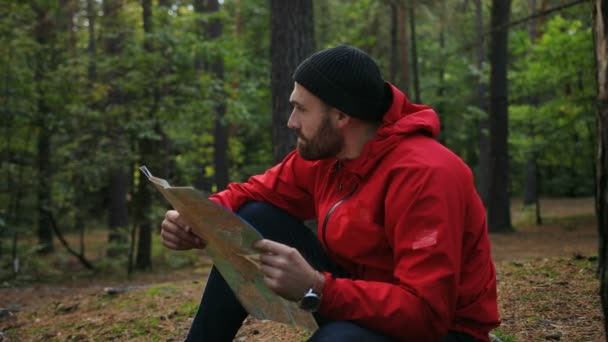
262	215
251	210
346	331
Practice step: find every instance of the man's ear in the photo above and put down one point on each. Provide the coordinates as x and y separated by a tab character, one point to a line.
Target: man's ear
342	119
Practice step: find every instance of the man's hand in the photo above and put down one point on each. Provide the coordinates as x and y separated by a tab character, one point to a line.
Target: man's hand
177	235
286	272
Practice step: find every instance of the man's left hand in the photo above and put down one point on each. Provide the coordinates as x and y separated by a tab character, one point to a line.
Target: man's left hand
285	270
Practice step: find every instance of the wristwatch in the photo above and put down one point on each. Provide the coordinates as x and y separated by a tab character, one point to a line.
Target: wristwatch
311	301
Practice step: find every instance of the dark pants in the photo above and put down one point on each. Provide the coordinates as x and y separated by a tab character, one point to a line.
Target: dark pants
220	314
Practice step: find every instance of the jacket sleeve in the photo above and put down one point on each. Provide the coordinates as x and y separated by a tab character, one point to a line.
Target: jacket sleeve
287	185
424	218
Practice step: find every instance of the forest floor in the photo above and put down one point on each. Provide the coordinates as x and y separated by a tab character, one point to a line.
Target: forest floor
547	284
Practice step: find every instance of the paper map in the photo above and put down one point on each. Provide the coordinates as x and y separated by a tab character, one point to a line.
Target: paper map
229	241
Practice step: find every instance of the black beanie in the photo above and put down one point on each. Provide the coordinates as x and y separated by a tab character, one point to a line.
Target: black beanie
348	79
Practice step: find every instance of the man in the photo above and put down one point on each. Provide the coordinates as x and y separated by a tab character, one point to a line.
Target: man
402	250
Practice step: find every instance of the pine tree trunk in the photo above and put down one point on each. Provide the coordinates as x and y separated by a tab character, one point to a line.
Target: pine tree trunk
601	199
119	180
394	61
405	70
531	176
440	107
147	147
43	32
91	49
499	206
483	169
220	134
415	76
292	40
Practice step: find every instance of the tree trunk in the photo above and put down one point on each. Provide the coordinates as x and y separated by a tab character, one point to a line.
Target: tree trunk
483	170
143	198
394	61
118	215
415	76
91	49
215	65
220	135
142	210
119	180
404	51
601	199
292	40
66	12
439	107
43	32
499	206
531	188
45	231
530	191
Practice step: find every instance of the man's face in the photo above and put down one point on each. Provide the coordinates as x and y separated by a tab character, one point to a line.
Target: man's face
311	121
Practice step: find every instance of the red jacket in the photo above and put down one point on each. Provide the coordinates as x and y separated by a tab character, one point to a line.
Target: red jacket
404	219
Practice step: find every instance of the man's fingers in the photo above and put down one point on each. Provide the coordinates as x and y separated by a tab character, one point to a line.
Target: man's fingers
270	272
274	260
271	247
177	230
172	241
198	242
271	283
174	217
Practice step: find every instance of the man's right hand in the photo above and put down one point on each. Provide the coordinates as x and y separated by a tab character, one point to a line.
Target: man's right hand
177	235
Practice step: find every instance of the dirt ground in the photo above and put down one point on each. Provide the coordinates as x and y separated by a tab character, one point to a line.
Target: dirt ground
546	275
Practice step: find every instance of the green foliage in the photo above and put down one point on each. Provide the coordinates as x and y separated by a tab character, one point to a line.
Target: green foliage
552	112
161	94
161	290
504	337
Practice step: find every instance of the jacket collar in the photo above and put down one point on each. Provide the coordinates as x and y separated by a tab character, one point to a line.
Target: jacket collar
403	118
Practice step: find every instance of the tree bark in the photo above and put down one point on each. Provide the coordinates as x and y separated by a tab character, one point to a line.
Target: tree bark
143	198
67	10
415	76
405	70
43	33
292	40
531	182
499	205
601	199
119	180
45	231
214	65
220	134
91	49
440	107
483	170
118	215
394	61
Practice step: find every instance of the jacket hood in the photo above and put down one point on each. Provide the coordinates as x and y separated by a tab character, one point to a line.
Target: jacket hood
402	118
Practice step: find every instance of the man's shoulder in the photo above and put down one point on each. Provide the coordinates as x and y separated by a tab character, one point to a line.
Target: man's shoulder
420	152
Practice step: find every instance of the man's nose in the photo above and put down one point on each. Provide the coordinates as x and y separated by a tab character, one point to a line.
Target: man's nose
291	122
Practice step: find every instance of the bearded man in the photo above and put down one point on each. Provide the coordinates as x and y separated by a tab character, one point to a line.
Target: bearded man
401	250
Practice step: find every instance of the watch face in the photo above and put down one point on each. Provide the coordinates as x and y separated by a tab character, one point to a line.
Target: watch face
310	302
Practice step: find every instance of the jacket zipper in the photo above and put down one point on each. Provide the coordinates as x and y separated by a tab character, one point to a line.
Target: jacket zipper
338	168
331	210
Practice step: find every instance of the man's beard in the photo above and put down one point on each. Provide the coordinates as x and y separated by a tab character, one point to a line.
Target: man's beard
327	142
